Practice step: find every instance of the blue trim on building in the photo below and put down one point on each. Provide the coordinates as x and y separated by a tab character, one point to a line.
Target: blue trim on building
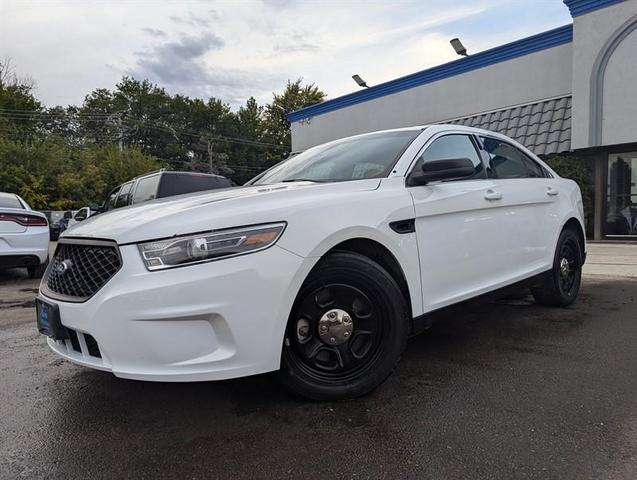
580	7
519	48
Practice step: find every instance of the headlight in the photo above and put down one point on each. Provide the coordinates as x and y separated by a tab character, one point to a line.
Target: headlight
207	246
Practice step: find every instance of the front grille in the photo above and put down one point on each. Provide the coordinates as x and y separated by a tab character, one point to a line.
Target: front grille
92	348
75	342
78	270
91	344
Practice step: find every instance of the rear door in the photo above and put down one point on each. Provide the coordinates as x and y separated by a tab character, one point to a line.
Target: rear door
527	209
455	224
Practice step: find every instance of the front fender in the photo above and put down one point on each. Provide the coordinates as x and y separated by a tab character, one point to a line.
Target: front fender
403	247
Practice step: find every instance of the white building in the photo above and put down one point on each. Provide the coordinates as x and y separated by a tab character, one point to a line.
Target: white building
568	89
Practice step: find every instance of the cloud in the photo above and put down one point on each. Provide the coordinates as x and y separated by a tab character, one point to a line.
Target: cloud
181	67
177	61
234	50
195	21
155	32
278	3
297	43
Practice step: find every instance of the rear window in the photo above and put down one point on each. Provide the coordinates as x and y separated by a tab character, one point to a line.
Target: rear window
8	200
178	183
146	189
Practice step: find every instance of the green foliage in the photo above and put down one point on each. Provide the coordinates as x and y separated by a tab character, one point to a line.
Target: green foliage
294	97
68	157
570	166
53	175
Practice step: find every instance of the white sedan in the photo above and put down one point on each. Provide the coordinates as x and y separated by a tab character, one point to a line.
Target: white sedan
24	236
320	268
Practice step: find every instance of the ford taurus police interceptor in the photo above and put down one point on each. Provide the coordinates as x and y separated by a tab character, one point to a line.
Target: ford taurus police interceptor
319	268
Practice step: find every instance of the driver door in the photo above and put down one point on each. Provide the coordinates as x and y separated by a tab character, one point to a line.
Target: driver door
455	222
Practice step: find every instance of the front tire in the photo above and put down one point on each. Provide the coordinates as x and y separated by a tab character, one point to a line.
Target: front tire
347	330
561	286
37	271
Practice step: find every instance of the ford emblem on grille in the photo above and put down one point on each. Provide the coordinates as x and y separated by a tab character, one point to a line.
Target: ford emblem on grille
64	266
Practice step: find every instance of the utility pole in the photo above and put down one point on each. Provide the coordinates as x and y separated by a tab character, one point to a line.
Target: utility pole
120	133
210	148
117	119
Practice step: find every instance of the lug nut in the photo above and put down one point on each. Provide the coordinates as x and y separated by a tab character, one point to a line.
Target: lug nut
346	334
332	340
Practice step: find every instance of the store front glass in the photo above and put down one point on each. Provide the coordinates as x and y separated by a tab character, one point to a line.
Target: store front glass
621	195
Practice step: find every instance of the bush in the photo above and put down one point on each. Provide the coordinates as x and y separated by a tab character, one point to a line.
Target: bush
570	166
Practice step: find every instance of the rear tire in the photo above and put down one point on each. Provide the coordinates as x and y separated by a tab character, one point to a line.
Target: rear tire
347	330
561	286
37	271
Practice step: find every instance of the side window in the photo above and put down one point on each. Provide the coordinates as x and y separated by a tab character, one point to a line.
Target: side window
124	195
453	146
81	214
146	189
506	161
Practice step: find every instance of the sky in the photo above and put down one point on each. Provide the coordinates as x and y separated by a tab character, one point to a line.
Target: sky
236	49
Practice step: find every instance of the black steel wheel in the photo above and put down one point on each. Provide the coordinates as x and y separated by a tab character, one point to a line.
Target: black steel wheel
346	331
561	286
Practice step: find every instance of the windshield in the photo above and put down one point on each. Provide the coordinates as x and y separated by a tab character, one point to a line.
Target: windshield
356	158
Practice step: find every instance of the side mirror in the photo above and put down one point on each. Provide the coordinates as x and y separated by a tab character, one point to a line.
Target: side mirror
446	169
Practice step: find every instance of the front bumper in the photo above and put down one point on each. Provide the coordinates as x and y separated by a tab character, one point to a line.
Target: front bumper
212	321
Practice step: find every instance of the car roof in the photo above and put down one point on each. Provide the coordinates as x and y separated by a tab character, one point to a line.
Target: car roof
438	126
172	172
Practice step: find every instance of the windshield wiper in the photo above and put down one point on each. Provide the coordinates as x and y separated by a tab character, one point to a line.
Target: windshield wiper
302	180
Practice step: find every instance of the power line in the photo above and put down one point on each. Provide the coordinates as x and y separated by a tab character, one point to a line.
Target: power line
133	122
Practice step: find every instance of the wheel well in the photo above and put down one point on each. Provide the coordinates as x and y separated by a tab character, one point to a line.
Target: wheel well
380	254
574	225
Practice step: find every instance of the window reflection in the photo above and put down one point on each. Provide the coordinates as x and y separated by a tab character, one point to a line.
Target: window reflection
621	200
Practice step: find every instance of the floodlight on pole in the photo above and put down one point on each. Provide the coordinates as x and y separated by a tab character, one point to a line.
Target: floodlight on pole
458	47
361	83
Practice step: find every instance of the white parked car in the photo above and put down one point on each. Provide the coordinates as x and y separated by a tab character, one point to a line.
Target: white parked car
321	267
79	216
24	236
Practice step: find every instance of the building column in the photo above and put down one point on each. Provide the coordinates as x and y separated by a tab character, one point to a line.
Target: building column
599	194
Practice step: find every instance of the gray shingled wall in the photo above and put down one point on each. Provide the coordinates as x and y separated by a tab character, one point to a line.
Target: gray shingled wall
543	127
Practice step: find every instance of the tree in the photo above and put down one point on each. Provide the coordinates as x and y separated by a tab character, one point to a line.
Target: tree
294	97
67	157
18	105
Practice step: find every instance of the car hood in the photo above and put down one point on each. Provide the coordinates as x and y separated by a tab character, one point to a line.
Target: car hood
212	210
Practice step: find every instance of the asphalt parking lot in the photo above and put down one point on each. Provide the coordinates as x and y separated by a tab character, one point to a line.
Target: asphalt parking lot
502	389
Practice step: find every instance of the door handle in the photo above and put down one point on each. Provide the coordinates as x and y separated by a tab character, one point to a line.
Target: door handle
491	194
552	191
